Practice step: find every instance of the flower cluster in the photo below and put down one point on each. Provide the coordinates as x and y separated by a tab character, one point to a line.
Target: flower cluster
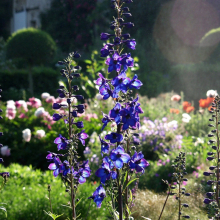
118	160
160	135
213	156
72	171
187	107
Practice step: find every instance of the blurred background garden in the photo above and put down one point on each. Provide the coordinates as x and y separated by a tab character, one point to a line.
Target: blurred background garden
180	76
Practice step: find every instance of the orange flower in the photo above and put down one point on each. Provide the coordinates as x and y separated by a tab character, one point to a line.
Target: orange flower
186	105
189	109
205	103
174	111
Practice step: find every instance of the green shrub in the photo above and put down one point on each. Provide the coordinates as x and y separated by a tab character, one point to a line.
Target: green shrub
14	83
32	45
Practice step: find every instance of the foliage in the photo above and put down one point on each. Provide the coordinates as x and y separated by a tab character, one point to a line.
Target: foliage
18	89
26	196
69	23
31	45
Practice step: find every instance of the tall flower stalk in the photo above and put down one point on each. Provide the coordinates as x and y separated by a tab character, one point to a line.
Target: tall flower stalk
214	157
72	171
121	164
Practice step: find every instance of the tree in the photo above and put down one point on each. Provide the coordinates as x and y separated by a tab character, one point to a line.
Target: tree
33	46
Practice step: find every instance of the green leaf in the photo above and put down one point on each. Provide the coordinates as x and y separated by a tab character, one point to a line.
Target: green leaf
53	216
88	61
78	202
131	182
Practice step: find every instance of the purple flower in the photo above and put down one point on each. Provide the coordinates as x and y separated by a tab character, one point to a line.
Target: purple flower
105	173
57	117
128	25
106	50
98	196
128	118
127	61
118	156
130	44
114	137
104	146
105	91
120	83
135	83
61	93
82	136
114	63
105	36
3	174
207	201
82	174
79	124
106	119
138	162
1	160
61	142
115	113
101	81
56	166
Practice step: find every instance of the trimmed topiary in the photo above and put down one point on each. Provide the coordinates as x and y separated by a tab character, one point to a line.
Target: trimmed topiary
31	44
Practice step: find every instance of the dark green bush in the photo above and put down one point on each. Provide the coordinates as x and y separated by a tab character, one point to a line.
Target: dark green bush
15	82
32	45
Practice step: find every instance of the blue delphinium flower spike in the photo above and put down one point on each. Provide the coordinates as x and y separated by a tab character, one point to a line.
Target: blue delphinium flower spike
98	196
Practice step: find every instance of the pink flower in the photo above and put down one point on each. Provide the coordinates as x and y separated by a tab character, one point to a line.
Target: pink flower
26	134
184	183
10	113
175	98
50	99
22	115
21	103
196	174
34	102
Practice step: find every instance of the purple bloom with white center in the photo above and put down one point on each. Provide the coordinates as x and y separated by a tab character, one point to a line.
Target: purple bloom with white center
115	113
104	146
135	83
98	196
106	119
57	117
114	63
138	162
119	157
61	142
114	137
130	44
82	136
120	83
3	174
107	160
85	166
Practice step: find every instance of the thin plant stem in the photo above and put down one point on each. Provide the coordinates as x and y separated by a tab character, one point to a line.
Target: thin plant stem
164	204
49	189
179	214
217	135
120	201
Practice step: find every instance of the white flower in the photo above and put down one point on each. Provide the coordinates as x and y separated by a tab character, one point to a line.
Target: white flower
5	151
186	117
172	124
26	134
40	111
211	93
40	134
45	95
